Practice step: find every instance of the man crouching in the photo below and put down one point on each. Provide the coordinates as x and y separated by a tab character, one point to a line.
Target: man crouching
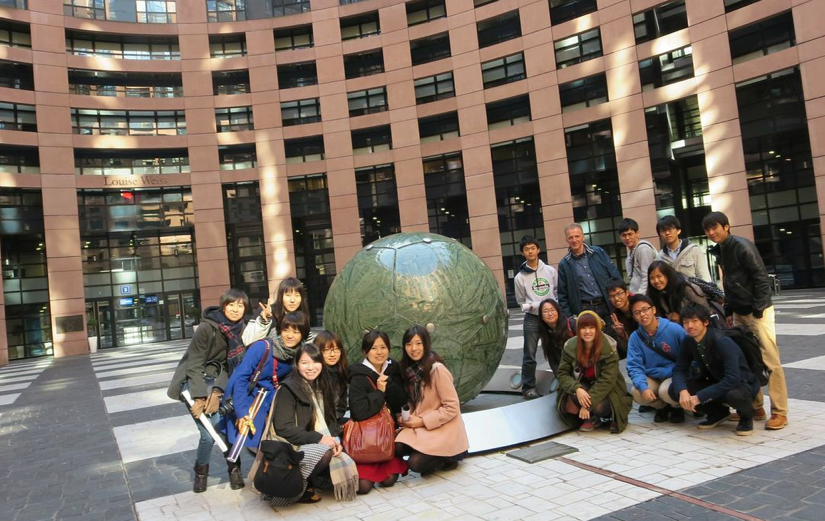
712	374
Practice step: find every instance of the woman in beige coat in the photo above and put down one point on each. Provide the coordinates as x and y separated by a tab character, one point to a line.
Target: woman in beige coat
433	436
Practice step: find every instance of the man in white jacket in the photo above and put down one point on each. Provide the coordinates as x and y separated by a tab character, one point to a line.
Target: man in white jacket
640	253
534	282
686	258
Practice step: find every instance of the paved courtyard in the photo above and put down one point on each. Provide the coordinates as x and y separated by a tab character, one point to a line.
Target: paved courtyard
95	438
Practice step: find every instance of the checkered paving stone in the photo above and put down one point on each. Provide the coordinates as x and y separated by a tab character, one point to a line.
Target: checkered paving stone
107	445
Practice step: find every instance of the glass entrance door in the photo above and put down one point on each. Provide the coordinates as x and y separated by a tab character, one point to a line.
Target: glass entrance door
174	316
99	319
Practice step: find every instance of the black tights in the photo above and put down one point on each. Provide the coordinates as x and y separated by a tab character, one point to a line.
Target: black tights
365	485
599	410
322	465
419	462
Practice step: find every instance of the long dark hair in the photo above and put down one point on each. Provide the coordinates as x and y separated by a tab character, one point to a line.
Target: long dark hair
426	361
674	292
553	340
588	320
289	284
323	384
323	340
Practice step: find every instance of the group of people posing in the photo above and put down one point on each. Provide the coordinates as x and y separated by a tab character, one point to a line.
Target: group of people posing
671	323
310	386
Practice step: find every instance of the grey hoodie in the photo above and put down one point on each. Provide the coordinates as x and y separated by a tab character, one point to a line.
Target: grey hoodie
690	261
533	286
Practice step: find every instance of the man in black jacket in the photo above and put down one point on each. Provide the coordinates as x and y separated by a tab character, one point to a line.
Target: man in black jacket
711	374
748	302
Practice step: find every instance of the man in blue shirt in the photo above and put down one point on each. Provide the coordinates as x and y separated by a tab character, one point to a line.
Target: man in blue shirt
652	351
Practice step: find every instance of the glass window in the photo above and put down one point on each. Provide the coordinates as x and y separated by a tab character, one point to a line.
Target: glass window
304	150
234	119
89	9
14	116
425	50
16	159
226	10
498	29
433	88
245	239
503	70
15	34
237	157
14	75
666	68
447	197
438	128
129	85
297	75
130	162
230	82
733	5
424	11
582	93
367	101
300	112
128	47
157	11
288	7
377	202
762	38
369	140
578	48
360	26
128	122
563	10
660	20
293	38
508	112
363	64
227	45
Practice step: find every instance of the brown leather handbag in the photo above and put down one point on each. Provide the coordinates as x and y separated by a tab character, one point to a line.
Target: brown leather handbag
371	440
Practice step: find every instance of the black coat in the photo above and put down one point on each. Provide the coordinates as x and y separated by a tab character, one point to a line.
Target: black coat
340	386
725	370
746	282
365	400
208	345
293	413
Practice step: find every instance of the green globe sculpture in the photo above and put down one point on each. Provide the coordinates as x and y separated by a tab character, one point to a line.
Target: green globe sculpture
427	279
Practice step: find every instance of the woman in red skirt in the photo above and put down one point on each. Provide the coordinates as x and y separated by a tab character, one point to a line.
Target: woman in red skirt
372	383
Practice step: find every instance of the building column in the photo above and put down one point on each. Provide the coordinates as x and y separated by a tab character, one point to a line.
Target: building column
60	213
807	26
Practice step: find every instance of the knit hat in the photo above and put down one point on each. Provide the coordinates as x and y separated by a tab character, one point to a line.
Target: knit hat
590	312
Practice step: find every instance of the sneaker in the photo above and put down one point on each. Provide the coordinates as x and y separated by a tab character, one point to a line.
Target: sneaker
530	394
646	408
759	415
714	420
662	415
677	415
587	426
745	427
776	422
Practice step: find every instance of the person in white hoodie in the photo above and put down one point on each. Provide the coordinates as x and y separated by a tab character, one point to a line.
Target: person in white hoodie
534	282
640	253
686	258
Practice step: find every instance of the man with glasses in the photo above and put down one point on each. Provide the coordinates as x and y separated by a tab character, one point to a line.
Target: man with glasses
622	324
652	352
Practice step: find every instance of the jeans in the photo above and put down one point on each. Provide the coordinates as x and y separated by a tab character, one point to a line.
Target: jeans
532	323
206	442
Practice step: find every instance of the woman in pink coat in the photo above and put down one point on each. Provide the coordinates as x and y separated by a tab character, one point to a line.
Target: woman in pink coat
434	436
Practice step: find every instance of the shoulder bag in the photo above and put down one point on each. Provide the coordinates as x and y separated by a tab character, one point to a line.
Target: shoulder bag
371	440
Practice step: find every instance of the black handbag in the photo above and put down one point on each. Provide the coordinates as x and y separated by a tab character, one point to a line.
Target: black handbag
279	473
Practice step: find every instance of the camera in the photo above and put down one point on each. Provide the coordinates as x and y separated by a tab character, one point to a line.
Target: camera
227	408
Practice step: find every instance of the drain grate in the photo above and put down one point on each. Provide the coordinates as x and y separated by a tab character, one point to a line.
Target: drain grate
541	452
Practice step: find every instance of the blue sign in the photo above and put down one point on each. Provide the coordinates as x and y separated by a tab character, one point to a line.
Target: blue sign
151	299
127	302
125	290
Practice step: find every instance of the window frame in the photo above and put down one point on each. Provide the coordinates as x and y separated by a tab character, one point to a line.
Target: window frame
507	62
369	95
501	28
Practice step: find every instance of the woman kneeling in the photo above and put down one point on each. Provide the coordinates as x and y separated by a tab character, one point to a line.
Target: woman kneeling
434	435
592	391
304	415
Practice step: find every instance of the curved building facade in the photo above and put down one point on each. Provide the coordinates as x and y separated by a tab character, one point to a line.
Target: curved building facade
155	152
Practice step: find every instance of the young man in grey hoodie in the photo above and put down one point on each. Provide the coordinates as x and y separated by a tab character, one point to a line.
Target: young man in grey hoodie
534	282
640	253
685	257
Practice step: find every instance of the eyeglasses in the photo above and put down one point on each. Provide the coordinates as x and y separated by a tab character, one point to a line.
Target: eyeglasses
549	311
642	311
332	350
617	294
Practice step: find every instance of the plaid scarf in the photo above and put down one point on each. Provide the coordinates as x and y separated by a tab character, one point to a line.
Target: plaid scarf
342	470
415	376
232	331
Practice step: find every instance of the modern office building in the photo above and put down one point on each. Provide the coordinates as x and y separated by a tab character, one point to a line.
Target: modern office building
155	152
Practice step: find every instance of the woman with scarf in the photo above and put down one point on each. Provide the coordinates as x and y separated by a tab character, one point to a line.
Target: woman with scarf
291	297
274	360
592	391
434	436
213	354
670	291
335	358
555	330
376	382
304	416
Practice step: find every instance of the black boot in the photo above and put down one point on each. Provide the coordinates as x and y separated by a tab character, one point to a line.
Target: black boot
235	477
201	473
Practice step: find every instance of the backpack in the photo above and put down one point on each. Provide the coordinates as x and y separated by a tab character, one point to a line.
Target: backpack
279	473
751	348
711	290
